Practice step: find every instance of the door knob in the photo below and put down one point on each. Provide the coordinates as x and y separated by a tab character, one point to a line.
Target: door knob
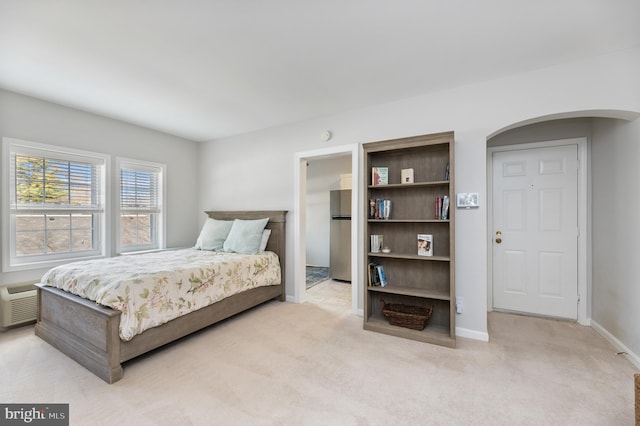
498	237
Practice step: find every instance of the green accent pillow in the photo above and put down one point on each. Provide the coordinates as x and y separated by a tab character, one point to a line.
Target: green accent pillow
245	236
213	234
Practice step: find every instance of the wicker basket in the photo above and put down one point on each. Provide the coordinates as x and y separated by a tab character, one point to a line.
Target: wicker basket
413	317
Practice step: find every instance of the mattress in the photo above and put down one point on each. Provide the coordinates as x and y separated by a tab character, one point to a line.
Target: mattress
154	288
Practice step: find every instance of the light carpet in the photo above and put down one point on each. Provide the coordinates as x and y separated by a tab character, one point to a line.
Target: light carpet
311	363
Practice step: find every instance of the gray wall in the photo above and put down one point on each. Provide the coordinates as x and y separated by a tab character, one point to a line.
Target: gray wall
545	131
616	230
475	112
27	118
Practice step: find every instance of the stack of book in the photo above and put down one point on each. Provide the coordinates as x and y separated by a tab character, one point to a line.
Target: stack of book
377	277
379	209
376	243
442	207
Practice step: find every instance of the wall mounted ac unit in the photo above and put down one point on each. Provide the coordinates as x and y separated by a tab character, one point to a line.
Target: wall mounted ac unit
18	304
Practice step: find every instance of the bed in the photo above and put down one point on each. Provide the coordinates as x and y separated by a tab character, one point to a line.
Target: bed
89	333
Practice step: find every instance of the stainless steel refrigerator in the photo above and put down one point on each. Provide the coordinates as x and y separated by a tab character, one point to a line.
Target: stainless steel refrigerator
340	235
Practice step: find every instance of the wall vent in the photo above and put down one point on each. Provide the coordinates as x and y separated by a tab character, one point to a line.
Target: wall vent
18	304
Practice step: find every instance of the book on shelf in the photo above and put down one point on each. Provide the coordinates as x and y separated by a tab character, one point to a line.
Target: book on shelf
376	243
406	176
382	276
379	176
441	205
379	209
386	209
374	277
425	245
447	172
445	207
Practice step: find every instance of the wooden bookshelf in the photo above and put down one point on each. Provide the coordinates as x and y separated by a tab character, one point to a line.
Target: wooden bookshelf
412	279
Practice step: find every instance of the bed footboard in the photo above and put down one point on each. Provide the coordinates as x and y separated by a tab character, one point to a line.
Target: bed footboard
81	329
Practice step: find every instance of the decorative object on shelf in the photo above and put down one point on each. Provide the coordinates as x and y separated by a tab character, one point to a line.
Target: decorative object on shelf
379	176
406	176
442	207
425	245
376	243
407	316
467	200
386	250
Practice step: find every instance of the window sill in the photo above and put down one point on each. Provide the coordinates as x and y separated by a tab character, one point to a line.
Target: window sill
132	253
29	266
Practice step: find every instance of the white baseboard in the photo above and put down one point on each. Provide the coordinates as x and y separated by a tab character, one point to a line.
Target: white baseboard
630	355
472	334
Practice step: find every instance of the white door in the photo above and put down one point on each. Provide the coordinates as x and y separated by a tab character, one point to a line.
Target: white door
535	235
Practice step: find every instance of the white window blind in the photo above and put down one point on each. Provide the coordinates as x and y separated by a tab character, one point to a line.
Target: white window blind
140	206
56	204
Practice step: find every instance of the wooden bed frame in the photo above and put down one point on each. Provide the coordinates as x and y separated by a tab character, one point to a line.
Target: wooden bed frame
88	332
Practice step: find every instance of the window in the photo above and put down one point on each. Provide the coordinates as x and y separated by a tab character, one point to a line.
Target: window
140	223
56	204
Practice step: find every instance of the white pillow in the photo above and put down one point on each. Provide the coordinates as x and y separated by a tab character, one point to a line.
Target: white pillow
245	236
213	234
265	239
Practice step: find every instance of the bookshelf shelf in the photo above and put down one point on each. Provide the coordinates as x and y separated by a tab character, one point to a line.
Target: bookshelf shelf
410	291
412	257
410	185
408	220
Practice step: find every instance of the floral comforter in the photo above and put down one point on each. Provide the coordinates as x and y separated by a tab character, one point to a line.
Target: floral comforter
152	289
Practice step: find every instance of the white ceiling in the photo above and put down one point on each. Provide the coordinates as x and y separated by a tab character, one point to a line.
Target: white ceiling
209	69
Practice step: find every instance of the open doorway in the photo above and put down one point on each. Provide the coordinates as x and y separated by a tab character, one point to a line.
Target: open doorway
328	189
328	232
318	173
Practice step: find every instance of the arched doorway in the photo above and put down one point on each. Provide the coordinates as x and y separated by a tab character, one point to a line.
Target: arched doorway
557	128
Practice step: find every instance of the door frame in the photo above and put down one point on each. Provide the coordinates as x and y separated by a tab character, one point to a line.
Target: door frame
300	220
584	219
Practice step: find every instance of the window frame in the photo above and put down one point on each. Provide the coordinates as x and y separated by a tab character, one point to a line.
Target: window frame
10	260
160	228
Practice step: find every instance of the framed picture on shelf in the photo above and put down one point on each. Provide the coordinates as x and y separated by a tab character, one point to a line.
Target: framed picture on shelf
425	245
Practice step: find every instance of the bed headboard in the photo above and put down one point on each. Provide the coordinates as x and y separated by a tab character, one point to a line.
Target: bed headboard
277	224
